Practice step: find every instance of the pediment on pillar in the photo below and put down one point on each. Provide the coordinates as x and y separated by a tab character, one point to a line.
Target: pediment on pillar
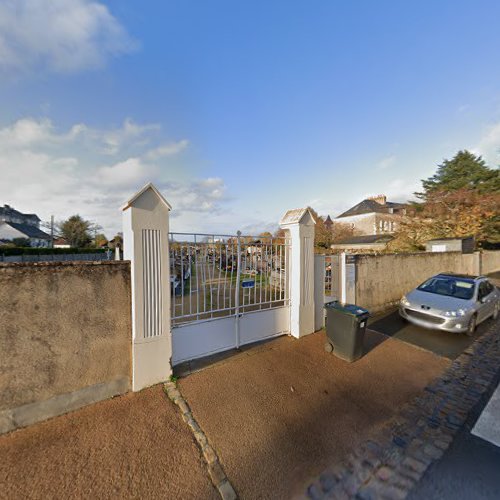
298	216
150	192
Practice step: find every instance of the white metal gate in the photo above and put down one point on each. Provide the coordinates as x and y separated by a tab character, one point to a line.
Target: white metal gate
227	291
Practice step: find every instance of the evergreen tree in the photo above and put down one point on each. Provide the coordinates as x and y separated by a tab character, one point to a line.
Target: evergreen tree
464	171
76	231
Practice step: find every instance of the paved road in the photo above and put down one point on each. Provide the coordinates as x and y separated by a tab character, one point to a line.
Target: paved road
447	344
470	469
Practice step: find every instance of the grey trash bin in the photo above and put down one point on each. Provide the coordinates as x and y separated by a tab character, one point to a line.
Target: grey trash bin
345	330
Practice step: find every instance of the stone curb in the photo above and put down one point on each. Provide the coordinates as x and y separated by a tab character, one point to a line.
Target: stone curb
215	470
392	463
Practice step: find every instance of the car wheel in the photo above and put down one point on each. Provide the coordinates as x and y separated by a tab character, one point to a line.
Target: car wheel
472	326
495	311
328	347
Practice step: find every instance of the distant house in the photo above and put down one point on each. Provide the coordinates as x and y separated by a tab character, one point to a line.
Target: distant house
15	224
464	245
61	243
367	243
373	216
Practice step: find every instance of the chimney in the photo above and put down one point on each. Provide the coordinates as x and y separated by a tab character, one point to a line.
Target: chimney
381	199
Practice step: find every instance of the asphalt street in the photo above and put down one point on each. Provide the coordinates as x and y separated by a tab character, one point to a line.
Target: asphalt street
469	470
446	344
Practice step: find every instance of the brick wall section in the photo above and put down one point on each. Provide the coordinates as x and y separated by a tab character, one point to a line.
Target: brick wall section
64	326
389	465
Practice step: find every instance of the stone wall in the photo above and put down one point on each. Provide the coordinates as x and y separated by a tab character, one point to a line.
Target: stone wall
490	262
381	280
65	337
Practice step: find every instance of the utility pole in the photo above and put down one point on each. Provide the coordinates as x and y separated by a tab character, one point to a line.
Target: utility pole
51	231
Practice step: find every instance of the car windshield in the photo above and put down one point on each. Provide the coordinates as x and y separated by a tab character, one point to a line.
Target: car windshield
459	288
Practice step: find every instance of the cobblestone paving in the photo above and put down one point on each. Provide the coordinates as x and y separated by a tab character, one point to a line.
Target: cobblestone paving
389	465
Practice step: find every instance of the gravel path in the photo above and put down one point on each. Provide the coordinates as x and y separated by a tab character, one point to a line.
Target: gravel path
282	412
133	446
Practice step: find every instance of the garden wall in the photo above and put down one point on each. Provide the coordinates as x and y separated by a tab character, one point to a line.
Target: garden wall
65	337
381	280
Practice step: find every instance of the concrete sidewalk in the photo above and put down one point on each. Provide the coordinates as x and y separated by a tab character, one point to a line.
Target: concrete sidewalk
133	446
282	412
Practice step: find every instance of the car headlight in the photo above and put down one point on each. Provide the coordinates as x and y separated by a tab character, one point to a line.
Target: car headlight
453	314
405	301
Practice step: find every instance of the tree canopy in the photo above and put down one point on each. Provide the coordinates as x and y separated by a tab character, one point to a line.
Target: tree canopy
464	171
460	199
76	231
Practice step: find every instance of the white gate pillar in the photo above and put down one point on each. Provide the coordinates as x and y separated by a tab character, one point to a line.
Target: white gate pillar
145	241
300	224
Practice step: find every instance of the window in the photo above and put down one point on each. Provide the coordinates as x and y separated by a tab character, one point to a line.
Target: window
449	286
485	288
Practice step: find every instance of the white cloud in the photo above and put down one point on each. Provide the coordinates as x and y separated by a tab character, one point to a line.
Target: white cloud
114	140
201	195
401	190
489	145
129	173
41	132
386	162
167	149
59	35
52	172
26	132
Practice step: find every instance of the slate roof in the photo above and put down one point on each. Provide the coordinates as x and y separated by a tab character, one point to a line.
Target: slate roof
366	239
29	231
451	238
370	206
6	210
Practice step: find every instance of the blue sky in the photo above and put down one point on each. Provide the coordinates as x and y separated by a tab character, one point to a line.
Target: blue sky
239	110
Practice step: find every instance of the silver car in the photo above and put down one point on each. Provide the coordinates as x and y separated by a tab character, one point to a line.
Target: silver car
451	302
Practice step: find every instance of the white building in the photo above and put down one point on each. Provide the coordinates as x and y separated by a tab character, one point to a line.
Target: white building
15	224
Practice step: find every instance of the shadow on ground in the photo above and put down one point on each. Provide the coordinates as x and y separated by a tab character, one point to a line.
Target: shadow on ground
280	414
447	344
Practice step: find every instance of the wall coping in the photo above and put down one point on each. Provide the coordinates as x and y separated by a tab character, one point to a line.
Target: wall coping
67	263
408	254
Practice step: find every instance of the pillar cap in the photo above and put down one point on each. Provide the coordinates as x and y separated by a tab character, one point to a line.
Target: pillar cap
297	216
148	186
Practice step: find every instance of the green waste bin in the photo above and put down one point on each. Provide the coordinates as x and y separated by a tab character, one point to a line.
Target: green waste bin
345	330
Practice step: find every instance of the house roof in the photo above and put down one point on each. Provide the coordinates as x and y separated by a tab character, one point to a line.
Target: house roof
366	239
29	231
370	206
451	238
8	210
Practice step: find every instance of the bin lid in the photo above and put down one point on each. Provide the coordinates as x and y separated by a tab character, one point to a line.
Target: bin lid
351	309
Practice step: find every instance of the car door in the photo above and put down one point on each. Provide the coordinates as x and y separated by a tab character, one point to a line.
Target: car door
485	299
490	298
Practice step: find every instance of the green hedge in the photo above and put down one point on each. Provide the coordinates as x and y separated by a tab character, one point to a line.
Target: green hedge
47	251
